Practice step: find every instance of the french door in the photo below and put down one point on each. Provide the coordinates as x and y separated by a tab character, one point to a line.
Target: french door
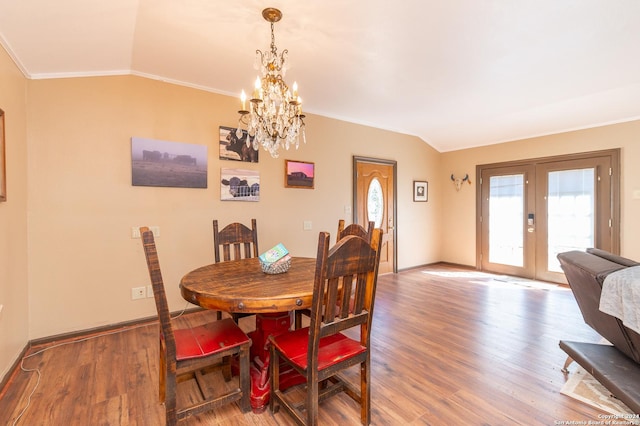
532	210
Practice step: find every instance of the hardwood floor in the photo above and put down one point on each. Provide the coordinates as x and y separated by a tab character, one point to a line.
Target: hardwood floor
450	346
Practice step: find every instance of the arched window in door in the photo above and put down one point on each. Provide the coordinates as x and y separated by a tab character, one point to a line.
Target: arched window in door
375	202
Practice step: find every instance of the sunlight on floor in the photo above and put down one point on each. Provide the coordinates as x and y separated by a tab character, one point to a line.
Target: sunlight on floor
493	280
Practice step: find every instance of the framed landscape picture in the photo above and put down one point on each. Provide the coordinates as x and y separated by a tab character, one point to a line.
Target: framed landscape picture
165	163
299	174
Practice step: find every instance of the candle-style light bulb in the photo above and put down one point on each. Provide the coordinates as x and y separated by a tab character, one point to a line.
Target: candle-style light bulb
243	98
295	90
256	92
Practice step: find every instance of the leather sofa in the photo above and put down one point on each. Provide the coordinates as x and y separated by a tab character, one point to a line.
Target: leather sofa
616	366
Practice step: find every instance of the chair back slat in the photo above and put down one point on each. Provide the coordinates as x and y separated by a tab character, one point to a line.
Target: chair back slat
236	240
331	300
360	294
345	298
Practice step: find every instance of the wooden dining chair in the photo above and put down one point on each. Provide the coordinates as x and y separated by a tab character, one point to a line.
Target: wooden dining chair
352	229
191	353
237	241
321	351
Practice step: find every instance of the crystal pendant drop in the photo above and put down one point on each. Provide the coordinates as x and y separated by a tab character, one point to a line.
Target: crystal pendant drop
257	61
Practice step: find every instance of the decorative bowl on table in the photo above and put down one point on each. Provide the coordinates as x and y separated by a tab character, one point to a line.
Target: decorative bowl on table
279	267
276	260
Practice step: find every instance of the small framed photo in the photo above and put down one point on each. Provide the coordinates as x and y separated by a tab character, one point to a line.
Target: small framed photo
420	190
298	174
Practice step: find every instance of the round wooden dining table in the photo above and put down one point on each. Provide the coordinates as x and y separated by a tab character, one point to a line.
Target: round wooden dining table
241	286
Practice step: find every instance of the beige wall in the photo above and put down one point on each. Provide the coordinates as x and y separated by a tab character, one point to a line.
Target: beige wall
82	259
459	229
14	324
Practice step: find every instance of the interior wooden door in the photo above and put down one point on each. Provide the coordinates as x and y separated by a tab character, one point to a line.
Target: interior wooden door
375	200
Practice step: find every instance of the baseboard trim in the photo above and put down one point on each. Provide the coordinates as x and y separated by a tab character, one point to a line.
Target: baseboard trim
425	265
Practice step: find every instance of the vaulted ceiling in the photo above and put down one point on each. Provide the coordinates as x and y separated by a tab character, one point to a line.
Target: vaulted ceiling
457	74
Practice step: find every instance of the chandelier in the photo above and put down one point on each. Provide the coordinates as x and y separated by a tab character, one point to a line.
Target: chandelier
274	118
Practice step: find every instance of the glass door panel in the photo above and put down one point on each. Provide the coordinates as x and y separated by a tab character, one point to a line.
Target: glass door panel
570	213
375	203
506	239
506	228
575	202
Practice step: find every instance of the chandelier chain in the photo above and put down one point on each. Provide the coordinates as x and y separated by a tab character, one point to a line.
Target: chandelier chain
274	49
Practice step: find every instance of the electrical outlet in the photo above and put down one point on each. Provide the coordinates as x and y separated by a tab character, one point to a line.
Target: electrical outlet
138	293
149	291
306	225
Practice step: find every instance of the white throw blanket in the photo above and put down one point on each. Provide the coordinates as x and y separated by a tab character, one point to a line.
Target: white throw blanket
621	296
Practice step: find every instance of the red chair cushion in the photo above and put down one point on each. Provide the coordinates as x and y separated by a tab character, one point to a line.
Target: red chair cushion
333	349
208	339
